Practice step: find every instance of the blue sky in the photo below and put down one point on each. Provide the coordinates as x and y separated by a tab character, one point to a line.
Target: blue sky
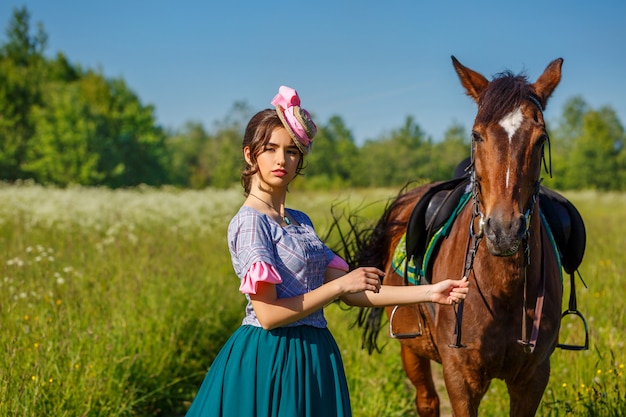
371	62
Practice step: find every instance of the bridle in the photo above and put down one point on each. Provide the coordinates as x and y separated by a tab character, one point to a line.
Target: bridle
475	236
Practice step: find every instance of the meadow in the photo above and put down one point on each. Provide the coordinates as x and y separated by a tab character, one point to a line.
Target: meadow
114	303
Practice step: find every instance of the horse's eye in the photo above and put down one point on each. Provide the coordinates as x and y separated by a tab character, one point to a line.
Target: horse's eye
542	139
476	137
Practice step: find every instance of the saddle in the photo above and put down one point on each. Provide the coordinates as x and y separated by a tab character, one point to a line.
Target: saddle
442	202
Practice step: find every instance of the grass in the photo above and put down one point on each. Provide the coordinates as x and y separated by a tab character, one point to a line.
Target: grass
114	303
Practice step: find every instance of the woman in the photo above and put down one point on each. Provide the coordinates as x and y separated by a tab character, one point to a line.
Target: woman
283	361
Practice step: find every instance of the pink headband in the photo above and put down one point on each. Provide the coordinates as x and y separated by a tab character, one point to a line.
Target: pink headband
296	120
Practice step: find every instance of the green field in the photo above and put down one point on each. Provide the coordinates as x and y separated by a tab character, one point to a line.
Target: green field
114	303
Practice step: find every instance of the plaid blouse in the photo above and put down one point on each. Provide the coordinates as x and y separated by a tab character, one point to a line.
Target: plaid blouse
295	251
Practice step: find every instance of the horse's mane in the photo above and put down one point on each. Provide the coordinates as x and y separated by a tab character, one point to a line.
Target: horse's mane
502	96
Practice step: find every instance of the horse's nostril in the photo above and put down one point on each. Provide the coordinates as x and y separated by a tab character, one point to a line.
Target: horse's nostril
487	226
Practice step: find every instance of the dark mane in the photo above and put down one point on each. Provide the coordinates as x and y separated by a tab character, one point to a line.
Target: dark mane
503	95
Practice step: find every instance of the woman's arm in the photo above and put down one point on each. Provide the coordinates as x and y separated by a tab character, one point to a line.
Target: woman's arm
444	292
273	312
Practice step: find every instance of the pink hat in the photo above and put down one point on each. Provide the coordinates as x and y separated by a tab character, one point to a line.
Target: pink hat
296	120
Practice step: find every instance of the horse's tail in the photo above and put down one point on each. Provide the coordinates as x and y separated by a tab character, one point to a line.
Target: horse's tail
369	246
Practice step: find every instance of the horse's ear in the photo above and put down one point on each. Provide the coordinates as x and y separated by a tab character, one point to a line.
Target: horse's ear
473	82
547	82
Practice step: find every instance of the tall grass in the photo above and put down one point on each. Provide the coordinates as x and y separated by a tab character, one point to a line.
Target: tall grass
114	303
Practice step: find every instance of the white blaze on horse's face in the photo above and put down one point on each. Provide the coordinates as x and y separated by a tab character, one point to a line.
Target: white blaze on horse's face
510	123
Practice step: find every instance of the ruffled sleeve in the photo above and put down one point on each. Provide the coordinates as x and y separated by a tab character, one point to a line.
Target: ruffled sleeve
259	272
338	263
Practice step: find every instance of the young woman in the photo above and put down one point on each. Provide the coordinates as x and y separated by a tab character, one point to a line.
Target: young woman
283	361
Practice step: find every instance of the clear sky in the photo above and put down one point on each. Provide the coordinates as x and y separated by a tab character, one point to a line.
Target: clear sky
373	63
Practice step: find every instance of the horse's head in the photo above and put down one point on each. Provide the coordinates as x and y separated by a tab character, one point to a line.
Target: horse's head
508	139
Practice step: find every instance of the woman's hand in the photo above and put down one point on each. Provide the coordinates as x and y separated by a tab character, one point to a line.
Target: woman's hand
449	291
361	279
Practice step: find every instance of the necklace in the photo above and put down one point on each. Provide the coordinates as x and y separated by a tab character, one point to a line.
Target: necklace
285	218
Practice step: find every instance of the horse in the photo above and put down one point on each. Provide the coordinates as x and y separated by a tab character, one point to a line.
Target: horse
508	325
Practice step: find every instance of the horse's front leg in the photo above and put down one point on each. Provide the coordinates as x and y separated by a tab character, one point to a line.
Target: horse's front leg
465	384
418	369
525	396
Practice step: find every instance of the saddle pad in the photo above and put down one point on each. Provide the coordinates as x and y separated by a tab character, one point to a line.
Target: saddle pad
400	266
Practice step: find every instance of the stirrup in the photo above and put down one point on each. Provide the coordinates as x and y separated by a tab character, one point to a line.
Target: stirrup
576	347
402	335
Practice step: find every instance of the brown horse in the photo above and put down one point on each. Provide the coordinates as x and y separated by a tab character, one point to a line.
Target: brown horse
510	320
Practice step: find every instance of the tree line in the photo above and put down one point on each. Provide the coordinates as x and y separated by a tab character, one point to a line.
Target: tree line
61	124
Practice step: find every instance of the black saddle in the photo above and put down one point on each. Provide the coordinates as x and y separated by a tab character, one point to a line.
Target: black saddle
431	211
567	226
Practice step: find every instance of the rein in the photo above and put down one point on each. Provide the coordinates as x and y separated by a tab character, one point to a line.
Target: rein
473	241
529	345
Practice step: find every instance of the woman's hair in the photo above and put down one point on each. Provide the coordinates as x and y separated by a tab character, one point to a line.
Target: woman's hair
256	137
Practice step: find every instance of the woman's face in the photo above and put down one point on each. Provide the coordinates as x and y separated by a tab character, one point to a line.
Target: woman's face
277	162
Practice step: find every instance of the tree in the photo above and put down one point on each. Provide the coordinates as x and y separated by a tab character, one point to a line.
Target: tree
447	154
131	147
22	48
401	157
61	150
62	125
21	72
332	161
597	157
200	159
562	140
587	148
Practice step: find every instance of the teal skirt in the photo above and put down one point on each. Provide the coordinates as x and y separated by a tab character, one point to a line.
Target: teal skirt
285	372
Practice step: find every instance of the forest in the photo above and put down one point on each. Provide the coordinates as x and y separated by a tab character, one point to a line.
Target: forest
62	125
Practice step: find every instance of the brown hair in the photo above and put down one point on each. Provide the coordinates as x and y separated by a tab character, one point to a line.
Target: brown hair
256	137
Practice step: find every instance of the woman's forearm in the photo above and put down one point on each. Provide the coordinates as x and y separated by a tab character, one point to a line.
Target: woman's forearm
390	295
274	312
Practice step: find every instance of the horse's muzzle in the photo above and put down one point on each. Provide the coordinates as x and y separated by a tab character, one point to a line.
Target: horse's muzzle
503	237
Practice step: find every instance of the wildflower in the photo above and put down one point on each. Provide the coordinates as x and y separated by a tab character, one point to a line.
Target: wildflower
34	378
15	261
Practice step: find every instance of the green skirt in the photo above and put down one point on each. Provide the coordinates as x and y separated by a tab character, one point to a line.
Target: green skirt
285	372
